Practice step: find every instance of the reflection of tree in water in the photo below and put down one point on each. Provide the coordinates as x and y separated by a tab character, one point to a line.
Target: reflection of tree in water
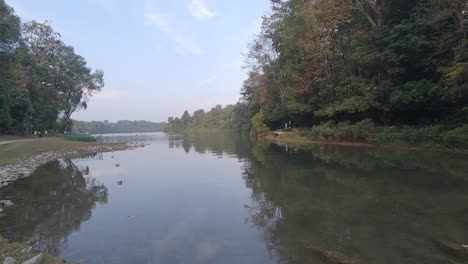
330	204
341	211
51	204
218	144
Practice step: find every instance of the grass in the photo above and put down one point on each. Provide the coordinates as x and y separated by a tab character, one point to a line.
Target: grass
78	137
12	152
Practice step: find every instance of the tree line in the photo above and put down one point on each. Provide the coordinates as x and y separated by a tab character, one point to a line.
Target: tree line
230	117
42	80
122	126
393	62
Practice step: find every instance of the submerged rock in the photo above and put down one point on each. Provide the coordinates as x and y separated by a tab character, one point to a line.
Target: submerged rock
453	248
26	250
31	241
35	260
10	260
5	203
1	210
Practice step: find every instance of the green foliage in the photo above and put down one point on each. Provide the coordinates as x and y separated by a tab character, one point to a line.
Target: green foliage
367	131
457	137
394	62
231	117
42	80
360	132
386	71
258	124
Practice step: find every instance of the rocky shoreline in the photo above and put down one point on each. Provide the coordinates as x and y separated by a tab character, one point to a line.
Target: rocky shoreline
24	168
23	253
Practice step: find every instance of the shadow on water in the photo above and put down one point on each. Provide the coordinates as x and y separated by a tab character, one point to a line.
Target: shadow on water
51	204
334	204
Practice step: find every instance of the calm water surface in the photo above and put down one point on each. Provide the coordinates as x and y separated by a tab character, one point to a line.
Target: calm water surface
216	198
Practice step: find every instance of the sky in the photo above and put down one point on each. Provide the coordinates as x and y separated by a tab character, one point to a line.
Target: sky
159	57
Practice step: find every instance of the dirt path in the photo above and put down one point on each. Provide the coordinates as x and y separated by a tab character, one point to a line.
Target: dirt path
13	141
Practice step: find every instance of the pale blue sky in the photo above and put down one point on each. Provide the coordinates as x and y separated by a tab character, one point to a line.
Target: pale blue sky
159	57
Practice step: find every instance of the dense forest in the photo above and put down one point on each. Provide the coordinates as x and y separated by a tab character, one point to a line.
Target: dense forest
42	80
122	126
383	62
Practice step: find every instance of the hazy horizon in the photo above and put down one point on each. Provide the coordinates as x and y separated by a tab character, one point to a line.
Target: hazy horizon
158	57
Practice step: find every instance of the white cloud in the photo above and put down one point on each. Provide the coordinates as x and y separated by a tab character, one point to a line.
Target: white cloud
199	10
185	43
208	80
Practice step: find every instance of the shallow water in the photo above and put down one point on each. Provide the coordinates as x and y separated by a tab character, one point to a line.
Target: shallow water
220	198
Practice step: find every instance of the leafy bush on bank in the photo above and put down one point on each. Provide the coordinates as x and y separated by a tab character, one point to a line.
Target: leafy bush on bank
367	131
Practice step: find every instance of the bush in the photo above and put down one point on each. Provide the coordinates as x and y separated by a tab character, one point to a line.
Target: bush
367	131
457	137
259	127
361	131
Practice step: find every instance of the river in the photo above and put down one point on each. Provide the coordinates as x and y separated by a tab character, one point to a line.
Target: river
221	198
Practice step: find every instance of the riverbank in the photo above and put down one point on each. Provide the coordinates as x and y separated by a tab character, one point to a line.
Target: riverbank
297	138
20	159
24	253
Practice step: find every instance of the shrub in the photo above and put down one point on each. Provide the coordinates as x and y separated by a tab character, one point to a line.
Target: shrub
367	131
258	124
457	137
330	131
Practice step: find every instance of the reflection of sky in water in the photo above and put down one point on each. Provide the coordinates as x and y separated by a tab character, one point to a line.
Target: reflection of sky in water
223	199
173	207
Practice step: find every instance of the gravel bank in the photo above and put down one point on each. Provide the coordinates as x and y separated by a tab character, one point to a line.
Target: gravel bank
24	168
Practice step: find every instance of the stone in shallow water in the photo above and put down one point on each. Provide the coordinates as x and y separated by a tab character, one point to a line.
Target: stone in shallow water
5	203
1	210
10	260
36	260
26	250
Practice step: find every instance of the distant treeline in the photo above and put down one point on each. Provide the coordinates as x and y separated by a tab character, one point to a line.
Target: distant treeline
123	126
385	62
231	117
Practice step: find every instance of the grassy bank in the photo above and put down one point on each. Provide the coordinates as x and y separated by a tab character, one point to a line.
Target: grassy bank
20	252
9	153
77	137
365	133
